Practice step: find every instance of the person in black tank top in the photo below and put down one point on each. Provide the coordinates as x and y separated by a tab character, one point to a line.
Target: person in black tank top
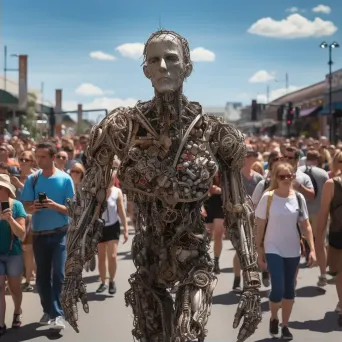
214	219
332	204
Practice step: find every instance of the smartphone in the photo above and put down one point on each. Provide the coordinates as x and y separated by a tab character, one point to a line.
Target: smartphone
41	197
4	206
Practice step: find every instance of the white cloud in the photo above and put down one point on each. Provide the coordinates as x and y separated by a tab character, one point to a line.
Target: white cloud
108	103
275	94
322	9
294	26
135	51
102	56
201	54
292	9
261	76
88	89
131	50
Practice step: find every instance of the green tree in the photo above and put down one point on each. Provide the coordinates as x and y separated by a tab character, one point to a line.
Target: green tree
31	114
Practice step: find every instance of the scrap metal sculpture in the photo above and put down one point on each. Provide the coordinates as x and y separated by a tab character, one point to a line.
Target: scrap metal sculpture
170	152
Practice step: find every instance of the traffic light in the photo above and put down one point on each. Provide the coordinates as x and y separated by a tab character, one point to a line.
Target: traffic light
290	114
254	110
297	113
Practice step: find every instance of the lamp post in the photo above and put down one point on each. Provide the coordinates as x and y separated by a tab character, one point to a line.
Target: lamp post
5	66
334	45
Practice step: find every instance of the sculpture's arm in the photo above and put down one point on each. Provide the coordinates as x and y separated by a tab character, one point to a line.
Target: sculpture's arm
107	139
229	147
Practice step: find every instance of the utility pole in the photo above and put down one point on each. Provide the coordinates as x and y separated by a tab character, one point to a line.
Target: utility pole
5	66
287	82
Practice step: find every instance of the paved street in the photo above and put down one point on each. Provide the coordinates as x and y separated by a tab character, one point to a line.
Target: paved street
109	320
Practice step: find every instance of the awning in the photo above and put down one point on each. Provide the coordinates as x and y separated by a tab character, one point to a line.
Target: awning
334	106
308	111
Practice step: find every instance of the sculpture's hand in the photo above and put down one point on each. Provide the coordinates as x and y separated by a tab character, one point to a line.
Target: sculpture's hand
248	309
73	290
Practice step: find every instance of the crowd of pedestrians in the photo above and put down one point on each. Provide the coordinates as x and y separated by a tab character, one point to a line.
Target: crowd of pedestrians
294	184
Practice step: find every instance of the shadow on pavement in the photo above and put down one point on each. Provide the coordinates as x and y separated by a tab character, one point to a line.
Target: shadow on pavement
325	325
29	332
230	298
268	339
309	292
265	306
97	297
91	279
227	270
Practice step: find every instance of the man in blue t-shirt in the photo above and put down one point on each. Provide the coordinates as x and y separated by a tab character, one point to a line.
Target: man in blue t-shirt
49	227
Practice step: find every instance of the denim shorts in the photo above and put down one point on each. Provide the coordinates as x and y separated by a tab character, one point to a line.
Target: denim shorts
11	266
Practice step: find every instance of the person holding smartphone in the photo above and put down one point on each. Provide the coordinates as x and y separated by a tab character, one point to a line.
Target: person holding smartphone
12	232
45	195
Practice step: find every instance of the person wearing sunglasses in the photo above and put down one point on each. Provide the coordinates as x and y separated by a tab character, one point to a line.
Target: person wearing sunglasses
331	204
302	182
61	160
282	217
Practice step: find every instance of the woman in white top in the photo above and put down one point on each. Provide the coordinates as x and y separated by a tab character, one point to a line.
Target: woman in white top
108	245
278	214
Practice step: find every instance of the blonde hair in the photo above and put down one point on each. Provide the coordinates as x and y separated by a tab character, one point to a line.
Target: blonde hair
275	173
80	167
258	167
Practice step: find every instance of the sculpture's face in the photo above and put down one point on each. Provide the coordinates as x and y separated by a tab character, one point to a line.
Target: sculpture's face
165	63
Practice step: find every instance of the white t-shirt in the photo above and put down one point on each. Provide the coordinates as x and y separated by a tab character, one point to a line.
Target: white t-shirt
110	215
282	236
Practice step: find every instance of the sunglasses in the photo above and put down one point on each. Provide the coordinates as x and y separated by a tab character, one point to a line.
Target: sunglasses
285	177
290	158
24	160
278	159
76	171
68	149
61	157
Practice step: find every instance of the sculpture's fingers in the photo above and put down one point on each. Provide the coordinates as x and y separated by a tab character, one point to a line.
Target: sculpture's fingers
83	296
240	311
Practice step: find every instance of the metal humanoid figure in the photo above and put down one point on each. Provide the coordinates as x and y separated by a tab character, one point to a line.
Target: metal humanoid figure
170	152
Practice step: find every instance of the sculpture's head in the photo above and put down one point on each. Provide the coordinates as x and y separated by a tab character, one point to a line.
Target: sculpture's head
167	61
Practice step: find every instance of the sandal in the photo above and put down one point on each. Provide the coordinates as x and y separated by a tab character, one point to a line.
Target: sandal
3	330
16	323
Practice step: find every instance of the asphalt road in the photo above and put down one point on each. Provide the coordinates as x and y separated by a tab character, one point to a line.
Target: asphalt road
313	318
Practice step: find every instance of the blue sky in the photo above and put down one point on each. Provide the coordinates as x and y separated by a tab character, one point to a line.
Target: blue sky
59	36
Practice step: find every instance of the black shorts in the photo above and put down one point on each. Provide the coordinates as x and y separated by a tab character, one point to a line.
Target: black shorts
213	207
110	233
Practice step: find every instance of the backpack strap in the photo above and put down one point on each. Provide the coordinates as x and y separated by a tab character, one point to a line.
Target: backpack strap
35	177
269	202
268	207
300	206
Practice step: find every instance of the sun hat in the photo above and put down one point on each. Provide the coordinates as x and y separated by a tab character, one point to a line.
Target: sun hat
5	182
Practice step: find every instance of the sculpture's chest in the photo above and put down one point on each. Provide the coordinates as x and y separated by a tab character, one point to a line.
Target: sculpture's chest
169	168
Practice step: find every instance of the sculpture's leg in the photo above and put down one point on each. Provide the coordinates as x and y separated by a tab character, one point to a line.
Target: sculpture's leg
151	303
193	302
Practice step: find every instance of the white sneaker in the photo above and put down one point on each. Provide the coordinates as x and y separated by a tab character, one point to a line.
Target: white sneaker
338	308
45	320
58	323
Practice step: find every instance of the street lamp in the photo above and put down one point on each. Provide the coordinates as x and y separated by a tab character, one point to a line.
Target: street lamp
334	45
5	65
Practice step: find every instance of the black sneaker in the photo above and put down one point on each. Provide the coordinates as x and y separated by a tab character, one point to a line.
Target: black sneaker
102	288
266	279
112	288
237	284
286	334
274	327
3	330
217	267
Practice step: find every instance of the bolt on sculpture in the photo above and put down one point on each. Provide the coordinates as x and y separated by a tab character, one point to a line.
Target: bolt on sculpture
170	152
